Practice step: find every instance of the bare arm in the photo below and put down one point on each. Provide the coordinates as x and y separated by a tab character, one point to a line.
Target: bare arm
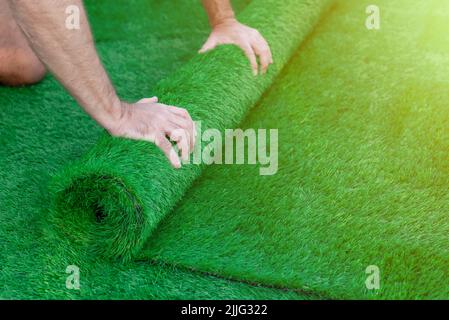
227	30
218	11
71	56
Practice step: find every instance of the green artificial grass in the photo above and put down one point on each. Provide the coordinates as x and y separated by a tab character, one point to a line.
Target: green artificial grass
362	122
112	200
42	129
363	167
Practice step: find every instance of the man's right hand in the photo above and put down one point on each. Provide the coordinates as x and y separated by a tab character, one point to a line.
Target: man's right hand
151	121
73	59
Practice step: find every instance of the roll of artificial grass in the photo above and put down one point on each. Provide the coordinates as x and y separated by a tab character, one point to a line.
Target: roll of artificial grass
111	200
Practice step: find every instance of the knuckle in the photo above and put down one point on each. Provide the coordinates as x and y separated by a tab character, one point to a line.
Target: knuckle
265	50
178	133
185	125
255	32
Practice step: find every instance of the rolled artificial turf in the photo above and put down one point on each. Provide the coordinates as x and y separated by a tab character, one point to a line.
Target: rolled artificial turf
362	179
363	167
110	201
42	129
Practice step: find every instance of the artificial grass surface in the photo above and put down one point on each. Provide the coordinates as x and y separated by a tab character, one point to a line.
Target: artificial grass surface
42	129
363	166
361	181
112	200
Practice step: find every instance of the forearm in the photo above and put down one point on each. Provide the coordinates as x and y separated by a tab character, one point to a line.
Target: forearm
69	54
218	11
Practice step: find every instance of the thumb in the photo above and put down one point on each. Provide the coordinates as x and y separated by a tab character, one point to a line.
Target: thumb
149	100
209	45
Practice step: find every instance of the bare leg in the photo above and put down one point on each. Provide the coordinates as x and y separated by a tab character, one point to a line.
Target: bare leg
18	63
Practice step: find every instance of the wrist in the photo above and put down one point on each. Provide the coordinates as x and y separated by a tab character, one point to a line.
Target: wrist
112	115
223	21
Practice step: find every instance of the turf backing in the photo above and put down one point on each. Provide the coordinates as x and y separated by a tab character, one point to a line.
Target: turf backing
363	144
42	129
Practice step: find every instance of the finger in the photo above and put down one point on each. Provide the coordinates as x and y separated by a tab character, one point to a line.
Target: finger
180	112
187	126
168	150
149	100
270	53
182	141
209	45
262	49
249	52
185	114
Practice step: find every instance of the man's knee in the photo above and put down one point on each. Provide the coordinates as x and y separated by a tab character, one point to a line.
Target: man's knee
20	67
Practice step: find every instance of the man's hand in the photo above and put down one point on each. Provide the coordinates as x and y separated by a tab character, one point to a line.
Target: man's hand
151	121
248	39
71	56
227	30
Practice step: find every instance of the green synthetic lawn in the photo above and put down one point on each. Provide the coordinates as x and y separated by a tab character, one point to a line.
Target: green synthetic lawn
42	130
109	202
363	125
362	122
